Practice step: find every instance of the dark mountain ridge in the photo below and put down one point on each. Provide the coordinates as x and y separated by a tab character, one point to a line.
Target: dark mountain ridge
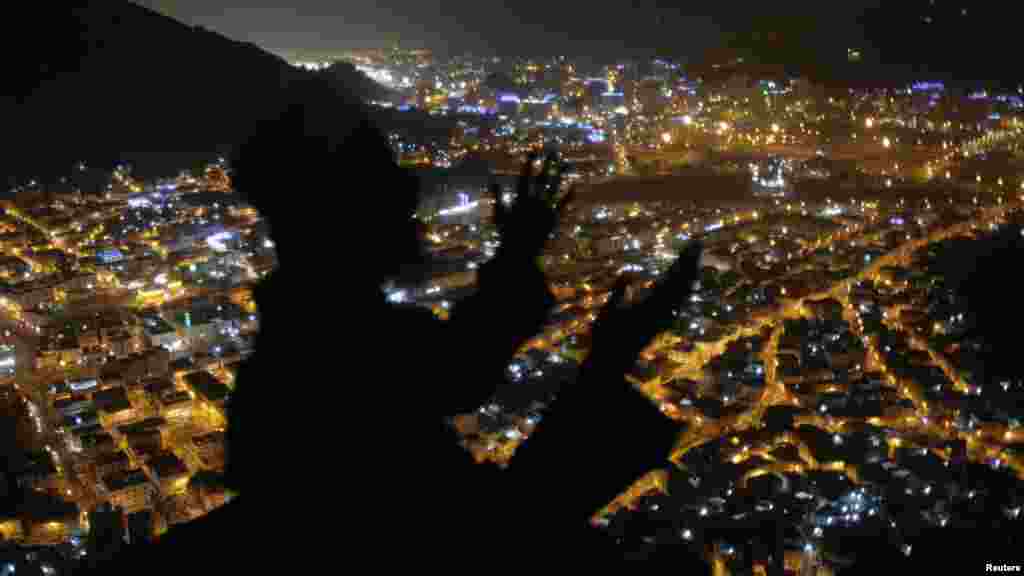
113	81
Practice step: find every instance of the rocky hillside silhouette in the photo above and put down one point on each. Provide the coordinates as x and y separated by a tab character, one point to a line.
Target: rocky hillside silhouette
113	81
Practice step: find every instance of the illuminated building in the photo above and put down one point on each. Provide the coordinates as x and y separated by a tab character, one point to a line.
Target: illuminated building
158	332
216	179
170	473
113	406
203	323
120	342
97	445
112	463
611	100
109	256
78	389
51	523
11	529
132	491
118	372
13	267
176	405
508	103
210	448
8	358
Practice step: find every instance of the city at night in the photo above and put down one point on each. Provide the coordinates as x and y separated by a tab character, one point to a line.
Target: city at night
726	288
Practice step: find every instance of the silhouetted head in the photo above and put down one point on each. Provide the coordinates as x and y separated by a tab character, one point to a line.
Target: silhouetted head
340	213
327	180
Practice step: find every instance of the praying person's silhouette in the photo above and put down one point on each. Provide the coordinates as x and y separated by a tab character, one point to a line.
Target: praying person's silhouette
339	419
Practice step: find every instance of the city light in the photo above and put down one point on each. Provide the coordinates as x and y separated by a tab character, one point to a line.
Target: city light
459	209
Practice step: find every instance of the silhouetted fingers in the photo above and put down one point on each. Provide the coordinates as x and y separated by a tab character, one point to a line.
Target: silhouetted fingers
523	188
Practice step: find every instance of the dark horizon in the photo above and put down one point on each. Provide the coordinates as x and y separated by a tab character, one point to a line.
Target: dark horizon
576	29
915	40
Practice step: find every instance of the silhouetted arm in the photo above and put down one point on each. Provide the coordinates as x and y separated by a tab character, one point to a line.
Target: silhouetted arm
486	330
598	438
512	301
591	446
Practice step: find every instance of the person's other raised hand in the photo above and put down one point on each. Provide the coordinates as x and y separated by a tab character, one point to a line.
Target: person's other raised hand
620	333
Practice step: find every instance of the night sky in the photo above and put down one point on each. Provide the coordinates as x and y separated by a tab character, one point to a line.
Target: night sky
568	27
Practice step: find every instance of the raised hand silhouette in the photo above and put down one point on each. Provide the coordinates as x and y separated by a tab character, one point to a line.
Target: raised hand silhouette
513	299
601	434
534	214
621	332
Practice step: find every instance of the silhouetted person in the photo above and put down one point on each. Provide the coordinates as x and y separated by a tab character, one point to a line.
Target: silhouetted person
339	419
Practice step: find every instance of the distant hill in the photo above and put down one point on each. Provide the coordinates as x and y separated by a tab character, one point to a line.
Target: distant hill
966	45
115	81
